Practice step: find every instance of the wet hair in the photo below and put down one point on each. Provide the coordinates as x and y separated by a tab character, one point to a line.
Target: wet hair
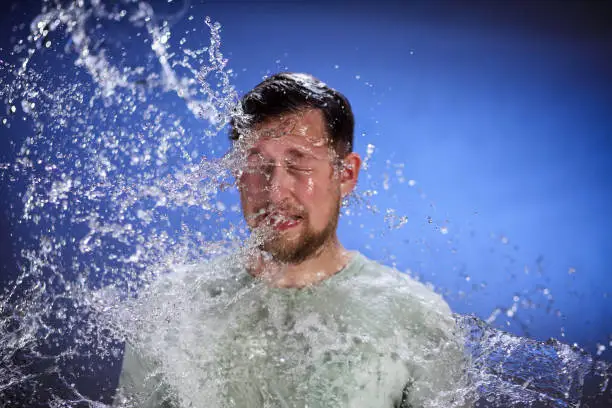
289	92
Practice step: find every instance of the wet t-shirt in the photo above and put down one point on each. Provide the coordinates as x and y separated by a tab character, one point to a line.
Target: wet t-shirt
368	337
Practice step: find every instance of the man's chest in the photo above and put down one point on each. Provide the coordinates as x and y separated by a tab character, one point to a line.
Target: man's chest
299	356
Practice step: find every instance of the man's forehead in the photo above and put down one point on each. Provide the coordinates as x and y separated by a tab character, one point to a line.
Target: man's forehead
305	128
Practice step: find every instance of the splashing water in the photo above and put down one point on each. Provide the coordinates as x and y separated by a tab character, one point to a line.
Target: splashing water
116	193
111	178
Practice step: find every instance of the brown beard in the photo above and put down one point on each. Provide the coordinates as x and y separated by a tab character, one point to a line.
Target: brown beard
304	246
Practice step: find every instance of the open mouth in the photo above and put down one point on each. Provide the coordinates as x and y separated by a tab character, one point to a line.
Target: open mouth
282	222
278	221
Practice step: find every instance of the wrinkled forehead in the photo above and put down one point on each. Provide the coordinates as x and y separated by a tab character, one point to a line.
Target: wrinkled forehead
304	129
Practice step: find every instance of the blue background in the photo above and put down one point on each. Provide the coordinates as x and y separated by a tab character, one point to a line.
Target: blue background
500	112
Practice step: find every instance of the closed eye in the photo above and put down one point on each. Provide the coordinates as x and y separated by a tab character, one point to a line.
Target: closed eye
298	167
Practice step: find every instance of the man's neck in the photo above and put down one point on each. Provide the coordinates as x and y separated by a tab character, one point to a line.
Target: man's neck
328	260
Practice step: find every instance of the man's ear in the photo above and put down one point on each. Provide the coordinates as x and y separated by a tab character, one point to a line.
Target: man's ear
349	173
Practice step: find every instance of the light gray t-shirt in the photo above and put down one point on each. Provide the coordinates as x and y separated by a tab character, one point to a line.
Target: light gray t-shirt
369	336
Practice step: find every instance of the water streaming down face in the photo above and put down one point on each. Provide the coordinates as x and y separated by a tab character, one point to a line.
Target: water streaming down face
116	194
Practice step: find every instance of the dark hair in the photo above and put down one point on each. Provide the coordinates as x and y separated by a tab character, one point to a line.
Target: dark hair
289	92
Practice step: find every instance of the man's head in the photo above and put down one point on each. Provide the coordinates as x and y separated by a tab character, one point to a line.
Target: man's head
294	135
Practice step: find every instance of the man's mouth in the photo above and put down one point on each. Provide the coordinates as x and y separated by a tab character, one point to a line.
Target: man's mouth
278	221
283	222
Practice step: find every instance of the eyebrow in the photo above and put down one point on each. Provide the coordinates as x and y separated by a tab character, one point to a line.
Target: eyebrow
293	152
301	154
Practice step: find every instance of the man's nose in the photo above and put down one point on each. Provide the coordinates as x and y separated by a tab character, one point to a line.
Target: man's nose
281	184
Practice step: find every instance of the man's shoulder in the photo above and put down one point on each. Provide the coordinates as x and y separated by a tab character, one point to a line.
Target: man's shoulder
399	286
197	277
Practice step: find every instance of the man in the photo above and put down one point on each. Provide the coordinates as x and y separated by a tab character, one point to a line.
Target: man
295	319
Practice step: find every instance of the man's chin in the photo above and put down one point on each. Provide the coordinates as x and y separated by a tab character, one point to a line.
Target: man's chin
294	245
282	250
278	247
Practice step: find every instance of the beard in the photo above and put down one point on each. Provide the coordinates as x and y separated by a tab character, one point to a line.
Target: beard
297	249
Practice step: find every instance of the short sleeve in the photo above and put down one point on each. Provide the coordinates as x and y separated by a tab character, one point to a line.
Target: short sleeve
439	379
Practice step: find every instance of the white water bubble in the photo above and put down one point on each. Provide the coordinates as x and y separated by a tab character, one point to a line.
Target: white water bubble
493	316
386	183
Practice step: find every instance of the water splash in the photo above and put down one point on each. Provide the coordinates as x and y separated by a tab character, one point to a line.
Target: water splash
111	176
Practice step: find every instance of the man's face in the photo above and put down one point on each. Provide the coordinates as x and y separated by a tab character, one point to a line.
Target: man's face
290	187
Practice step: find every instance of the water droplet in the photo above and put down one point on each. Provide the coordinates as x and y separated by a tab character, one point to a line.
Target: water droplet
386	181
48	44
13	108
